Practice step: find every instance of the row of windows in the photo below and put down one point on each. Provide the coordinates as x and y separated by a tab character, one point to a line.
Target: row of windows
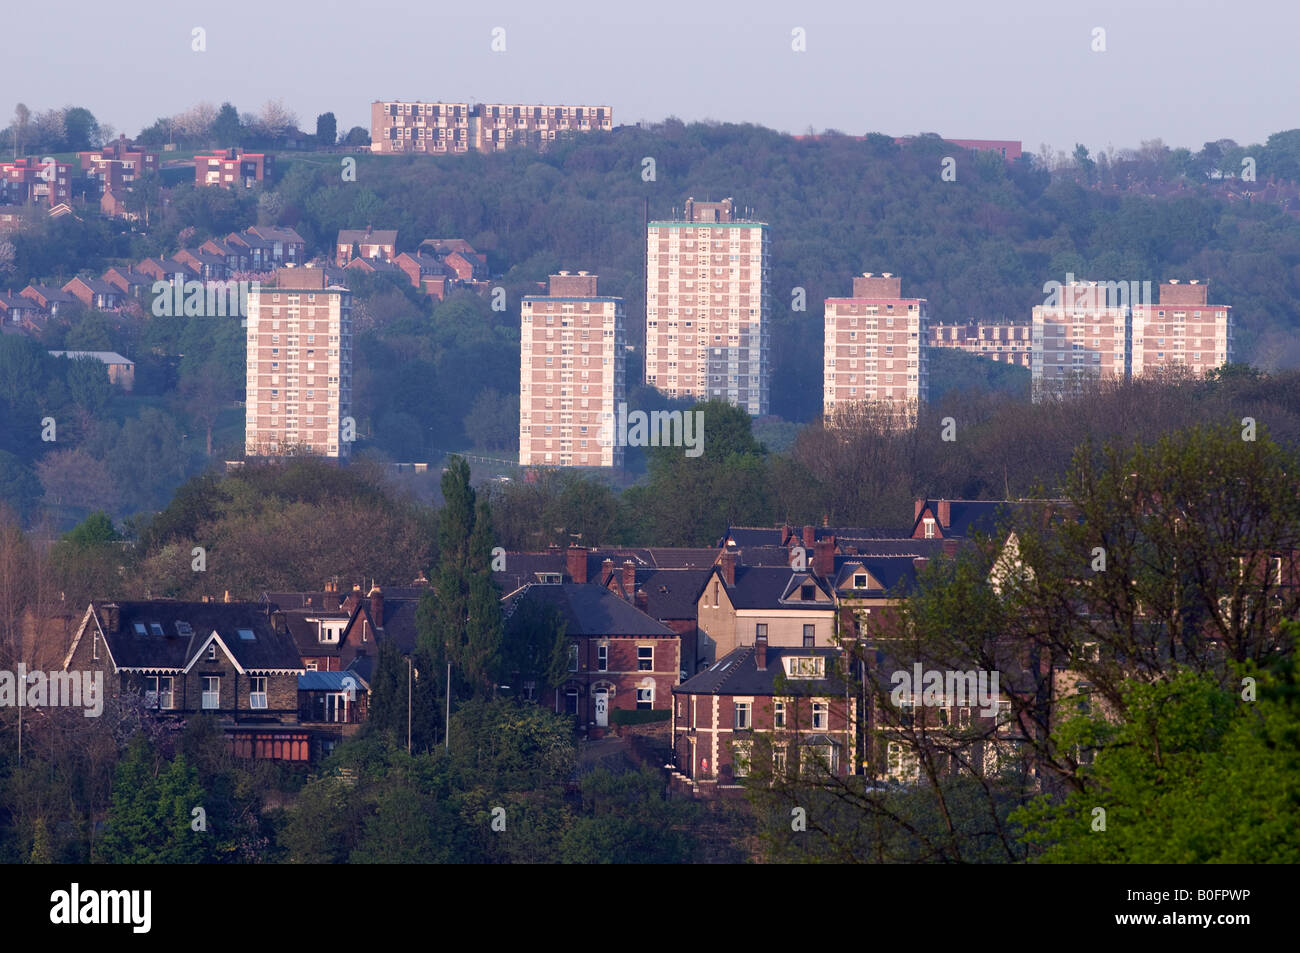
159	691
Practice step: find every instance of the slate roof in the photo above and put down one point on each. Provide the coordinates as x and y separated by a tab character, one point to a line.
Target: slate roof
761	587
106	357
970	516
176	646
894	573
772	535
736	673
359	236
672	593
591	610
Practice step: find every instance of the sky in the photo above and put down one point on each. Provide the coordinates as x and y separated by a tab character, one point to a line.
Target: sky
1184	71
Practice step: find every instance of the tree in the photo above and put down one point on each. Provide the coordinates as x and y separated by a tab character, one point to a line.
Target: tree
81	130
357	136
95	530
275	119
226	130
466	624
326	129
22	117
150	817
1195	775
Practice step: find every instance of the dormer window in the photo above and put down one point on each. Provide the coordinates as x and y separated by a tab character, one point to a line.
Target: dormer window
860	580
330	632
806	592
155	629
929	528
805	666
140	629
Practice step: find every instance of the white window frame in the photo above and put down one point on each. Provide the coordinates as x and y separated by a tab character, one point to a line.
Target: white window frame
211	696
646	663
745	709
257	691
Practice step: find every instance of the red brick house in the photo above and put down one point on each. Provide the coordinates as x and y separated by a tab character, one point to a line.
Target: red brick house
48	299
129	282
793	698
183	658
94	293
231	168
619	657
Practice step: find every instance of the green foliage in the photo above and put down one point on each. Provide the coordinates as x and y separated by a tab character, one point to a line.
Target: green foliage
326	129
96	529
1194	775
149	821
627	819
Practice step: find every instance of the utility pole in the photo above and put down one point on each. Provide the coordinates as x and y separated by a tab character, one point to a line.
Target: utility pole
446	739
409	679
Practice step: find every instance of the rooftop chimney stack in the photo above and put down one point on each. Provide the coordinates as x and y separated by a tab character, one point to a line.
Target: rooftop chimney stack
809	537
629	577
377	606
728	564
576	563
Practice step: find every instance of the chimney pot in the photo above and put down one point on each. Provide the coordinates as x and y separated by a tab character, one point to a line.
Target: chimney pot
377	606
728	564
945	514
629	577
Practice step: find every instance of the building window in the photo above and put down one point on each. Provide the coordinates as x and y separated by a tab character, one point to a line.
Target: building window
571	701
602	657
929	529
809	636
645	658
211	691
645	699
530	691
212	652
860	581
778	761
778	715
760	629
819	714
158	691
573	657
742	715
741	753
257	691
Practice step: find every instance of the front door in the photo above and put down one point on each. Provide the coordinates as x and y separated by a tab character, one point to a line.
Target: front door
602	708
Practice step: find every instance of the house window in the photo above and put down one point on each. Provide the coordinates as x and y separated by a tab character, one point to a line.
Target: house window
645	699
212	652
211	691
645	658
819	714
571	701
778	715
806	593
741	753
860	581
742	715
760	630
530	691
778	761
573	657
903	764
310	665
158	691
929	529
809	636
257	691
602	657
336	707
155	629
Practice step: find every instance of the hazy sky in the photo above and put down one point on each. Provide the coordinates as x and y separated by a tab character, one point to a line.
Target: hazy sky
1185	71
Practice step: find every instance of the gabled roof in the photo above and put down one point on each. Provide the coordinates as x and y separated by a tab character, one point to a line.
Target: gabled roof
736	673
888	573
361	236
762	587
176	633
965	516
590	610
779	535
670	593
272	233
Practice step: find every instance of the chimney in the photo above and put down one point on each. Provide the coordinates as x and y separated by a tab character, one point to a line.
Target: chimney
642	600
278	623
377	607
629	577
353	600
945	514
809	537
728	564
760	651
576	563
824	558
606	569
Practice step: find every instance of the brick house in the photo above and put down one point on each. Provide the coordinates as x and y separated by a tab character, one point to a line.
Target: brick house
186	658
94	293
619	657
232	167
165	269
29	180
426	273
207	265
284	245
365	243
130	284
794	699
48	299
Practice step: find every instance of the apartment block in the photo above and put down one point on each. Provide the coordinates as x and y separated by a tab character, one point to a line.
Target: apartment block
876	347
32	181
1005	343
449	128
117	164
708	306
572	374
299	377
231	168
1113	330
